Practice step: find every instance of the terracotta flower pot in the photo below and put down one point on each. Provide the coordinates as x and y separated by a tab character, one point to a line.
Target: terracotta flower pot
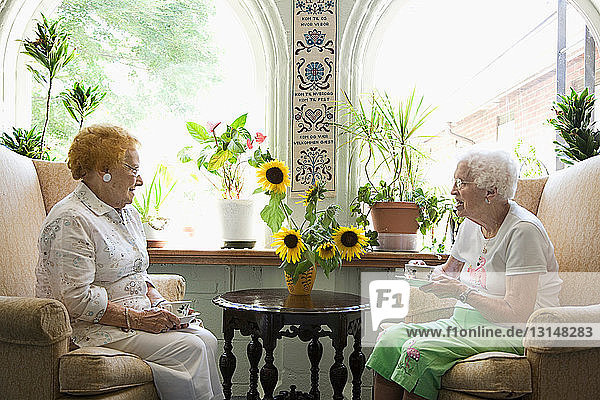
396	225
304	284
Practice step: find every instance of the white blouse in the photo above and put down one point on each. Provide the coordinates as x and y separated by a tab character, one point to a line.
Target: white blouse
89	254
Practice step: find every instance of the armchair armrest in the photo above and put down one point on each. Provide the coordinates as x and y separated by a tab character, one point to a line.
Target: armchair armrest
33	321
172	287
567	316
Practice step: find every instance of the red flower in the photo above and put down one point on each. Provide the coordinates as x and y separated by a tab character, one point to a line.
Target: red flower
212	126
259	137
249	143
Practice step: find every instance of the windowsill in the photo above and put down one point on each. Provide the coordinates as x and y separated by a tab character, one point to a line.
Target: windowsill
377	259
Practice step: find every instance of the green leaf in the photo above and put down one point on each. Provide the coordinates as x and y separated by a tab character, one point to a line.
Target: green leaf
258	190
198	132
236	147
184	155
218	160
239	122
272	214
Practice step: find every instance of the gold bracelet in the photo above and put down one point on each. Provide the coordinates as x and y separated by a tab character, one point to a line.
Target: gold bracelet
127	319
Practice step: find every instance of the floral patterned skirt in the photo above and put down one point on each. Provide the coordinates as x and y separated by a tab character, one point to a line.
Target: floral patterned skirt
417	363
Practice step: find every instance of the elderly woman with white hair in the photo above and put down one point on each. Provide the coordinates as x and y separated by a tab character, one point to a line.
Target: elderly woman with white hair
501	268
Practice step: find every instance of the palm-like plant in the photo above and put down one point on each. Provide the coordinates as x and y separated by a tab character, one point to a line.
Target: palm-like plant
153	197
50	48
574	124
24	142
386	133
80	101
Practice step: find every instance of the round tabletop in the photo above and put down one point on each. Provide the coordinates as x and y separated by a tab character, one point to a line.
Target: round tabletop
279	300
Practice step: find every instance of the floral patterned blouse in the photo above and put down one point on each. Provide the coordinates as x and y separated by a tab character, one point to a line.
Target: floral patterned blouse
89	253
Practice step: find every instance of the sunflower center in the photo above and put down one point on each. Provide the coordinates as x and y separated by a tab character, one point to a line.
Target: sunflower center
274	175
291	241
349	239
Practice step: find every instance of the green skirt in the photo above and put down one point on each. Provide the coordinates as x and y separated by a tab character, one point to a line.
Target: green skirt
417	363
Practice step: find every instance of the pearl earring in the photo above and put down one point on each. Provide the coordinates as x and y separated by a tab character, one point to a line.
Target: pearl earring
106	177
487	200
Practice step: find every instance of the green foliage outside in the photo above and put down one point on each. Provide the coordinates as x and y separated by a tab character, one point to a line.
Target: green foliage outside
529	165
152	58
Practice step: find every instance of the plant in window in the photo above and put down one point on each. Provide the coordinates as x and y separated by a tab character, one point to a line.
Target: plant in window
149	202
382	135
50	48
318	241
25	142
222	156
573	122
80	101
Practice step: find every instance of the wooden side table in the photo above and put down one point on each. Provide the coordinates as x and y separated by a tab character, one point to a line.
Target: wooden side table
263	314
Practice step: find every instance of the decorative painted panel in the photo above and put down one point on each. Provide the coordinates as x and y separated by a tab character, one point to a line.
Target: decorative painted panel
313	96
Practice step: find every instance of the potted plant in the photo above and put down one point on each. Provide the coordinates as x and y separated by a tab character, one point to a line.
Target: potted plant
382	135
51	49
574	124
25	142
149	203
318	241
222	158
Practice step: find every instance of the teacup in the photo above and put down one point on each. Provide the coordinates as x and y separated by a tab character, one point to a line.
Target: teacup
180	308
414	270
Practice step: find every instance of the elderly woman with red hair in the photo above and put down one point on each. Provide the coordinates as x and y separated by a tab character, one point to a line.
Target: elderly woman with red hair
93	259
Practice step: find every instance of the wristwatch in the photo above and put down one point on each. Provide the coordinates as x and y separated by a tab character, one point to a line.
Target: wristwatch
463	296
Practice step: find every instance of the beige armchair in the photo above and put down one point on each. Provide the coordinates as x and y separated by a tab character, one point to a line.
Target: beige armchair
35	333
568	204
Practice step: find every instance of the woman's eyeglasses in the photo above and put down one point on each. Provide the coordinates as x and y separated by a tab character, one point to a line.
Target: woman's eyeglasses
134	170
459	183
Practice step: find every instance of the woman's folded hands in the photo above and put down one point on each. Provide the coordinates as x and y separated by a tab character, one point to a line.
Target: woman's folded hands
155	320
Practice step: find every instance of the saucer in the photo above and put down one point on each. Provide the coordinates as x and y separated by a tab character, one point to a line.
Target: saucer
188	318
417	282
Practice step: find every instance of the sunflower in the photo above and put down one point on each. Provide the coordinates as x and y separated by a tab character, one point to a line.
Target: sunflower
313	193
327	251
273	176
290	245
350	241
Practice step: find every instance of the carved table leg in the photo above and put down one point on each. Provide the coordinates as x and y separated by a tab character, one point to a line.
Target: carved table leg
254	352
357	362
227	362
315	352
338	373
269	373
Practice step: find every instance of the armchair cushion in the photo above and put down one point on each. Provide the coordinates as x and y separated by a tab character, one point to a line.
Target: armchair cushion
32	321
95	370
491	375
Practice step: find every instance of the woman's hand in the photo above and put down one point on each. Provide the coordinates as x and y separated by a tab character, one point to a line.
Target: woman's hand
155	320
444	287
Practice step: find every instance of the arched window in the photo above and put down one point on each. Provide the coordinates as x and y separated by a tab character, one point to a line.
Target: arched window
488	67
469	59
239	44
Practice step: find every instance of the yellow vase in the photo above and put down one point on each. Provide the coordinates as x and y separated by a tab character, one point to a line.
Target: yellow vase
304	284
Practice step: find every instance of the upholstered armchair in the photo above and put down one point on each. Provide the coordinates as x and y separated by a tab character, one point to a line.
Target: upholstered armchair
35	333
568	204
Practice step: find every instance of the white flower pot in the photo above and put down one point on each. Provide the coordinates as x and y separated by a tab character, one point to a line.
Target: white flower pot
237	222
154	237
